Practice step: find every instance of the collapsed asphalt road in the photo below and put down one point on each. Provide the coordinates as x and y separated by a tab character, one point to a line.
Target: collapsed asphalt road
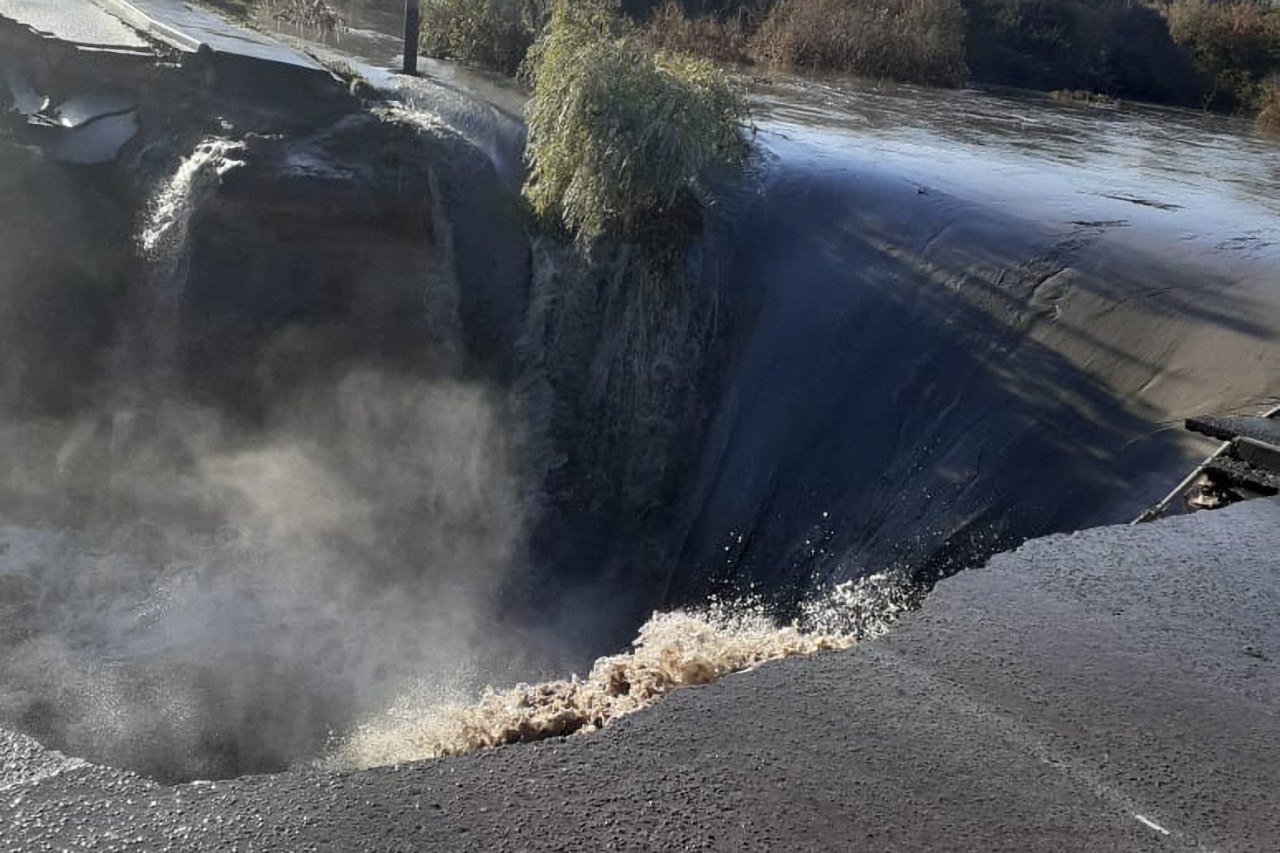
1114	689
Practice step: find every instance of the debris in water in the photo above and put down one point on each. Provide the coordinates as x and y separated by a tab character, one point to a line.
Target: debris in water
310	14
672	651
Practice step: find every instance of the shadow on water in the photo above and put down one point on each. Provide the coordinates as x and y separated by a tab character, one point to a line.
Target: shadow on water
905	388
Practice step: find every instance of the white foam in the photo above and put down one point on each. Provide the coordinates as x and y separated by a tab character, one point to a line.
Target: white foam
672	651
173	204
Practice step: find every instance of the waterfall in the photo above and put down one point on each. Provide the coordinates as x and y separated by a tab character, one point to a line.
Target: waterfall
174	202
163	241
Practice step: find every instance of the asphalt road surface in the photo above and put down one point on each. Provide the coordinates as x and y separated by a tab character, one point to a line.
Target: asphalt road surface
1111	690
74	21
118	26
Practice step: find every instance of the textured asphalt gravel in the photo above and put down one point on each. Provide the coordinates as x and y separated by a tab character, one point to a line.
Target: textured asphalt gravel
1114	689
78	22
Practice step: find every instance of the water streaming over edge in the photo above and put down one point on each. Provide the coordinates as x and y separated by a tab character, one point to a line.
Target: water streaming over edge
672	651
163	240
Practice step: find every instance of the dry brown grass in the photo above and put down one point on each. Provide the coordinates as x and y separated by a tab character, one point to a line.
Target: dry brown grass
1235	44
724	39
316	15
1084	96
1236	29
918	41
1269	105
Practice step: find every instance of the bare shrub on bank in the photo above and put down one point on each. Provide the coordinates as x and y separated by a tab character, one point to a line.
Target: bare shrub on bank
919	41
316	15
492	34
1235	44
1269	105
723	38
1118	48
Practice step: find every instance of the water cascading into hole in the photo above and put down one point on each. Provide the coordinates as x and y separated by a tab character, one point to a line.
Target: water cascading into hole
672	650
163	241
145	362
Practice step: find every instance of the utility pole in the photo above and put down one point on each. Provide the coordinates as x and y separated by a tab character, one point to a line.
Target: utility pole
411	25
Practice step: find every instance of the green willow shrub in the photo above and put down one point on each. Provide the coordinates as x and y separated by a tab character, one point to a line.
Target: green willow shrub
915	41
493	34
621	136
